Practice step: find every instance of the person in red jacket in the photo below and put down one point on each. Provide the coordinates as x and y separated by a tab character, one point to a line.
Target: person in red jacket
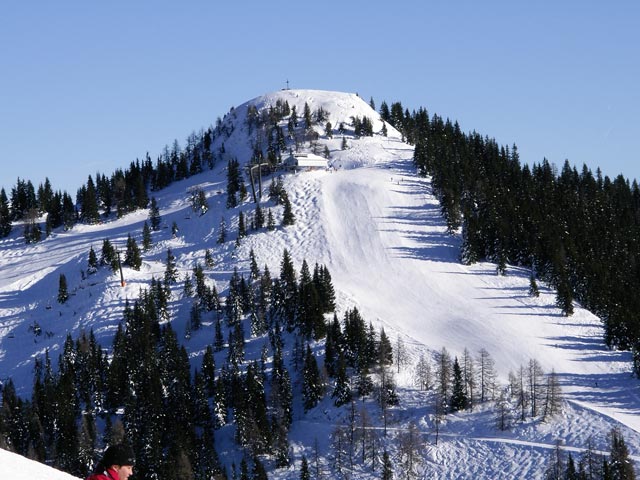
116	464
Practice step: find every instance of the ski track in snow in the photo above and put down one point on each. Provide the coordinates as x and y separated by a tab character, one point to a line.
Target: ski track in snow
377	227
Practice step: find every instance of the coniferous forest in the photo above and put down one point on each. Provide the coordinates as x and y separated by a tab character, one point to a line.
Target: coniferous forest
575	230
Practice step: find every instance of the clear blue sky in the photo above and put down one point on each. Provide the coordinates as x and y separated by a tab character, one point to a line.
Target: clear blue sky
91	86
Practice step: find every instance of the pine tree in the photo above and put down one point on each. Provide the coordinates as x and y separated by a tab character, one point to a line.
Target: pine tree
364	383
222	231
286	295
281	399
208	258
154	215
253	265
146	237
89	210
533	286
288	218
306	114
342	391
459	400
304	469
385	351
233	183
132	256
259	217
620	464
195	318
570	472
68	211
384	111
218	341
564	297
199	202
387	466
5	215
92	264
242	229
443	377
63	294
311	385
271	223
258	472
187	288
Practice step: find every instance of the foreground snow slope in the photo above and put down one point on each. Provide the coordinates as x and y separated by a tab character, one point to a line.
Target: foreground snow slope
378	228
15	467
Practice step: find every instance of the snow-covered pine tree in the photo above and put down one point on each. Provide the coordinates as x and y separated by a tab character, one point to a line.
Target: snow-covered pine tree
342	391
92	264
63	293
132	256
154	215
459	400
311	384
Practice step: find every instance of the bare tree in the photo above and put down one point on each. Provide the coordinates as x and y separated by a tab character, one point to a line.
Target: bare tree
424	374
439	413
535	379
444	370
555	469
591	462
339	441
553	400
316	459
410	445
520	392
503	412
386	394
364	435
469	377
401	353
351	431
487	375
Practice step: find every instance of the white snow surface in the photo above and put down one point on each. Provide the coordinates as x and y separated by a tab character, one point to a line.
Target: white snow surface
15	467
377	227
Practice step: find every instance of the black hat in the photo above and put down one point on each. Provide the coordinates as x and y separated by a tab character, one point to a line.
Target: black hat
120	454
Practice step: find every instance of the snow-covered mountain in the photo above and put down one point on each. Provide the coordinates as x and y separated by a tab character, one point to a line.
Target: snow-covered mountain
376	226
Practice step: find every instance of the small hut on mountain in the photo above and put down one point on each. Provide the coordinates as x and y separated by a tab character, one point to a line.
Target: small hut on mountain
305	161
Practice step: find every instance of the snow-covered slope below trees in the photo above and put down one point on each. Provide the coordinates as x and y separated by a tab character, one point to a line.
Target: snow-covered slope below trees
376	226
